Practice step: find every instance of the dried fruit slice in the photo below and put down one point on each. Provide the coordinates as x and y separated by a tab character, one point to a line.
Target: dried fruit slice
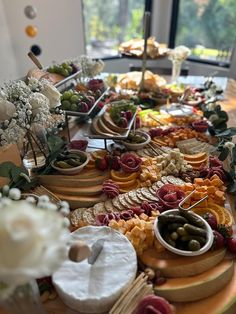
204	210
228	219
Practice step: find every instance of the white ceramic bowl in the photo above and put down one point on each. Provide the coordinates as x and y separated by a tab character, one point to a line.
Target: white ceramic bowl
74	170
133	146
205	248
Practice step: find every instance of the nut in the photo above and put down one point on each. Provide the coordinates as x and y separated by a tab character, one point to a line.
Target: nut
150	273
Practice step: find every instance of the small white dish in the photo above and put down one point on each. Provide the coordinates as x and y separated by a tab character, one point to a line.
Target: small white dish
134	146
205	248
76	169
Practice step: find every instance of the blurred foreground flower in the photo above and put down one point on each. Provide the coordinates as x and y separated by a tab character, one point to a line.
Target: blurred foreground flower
32	243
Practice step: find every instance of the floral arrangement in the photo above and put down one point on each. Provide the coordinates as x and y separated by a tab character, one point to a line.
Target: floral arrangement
25	105
90	67
179	53
33	238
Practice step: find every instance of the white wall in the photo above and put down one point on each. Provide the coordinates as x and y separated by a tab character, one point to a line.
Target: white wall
8	67
60	31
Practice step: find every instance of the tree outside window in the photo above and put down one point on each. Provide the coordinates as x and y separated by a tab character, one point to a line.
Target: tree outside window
208	28
110	22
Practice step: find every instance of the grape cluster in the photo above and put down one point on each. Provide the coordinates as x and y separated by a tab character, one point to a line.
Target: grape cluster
64	69
77	101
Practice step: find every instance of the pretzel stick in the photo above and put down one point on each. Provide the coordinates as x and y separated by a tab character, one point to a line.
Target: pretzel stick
137	283
128	308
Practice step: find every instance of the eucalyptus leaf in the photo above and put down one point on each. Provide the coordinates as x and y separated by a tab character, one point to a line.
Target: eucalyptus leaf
55	143
229	132
234	155
224	153
5	169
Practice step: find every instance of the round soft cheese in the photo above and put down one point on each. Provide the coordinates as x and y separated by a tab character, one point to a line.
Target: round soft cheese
95	288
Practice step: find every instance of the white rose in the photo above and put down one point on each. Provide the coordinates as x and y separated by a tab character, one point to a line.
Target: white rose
52	94
229	145
180	53
37	101
7	110
32	243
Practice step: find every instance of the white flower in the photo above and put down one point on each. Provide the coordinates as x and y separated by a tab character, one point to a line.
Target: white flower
32	243
229	145
7	110
37	102
14	194
52	94
179	53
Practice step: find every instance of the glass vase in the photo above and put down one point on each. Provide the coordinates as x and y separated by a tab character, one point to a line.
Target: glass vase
176	69
34	149
25	299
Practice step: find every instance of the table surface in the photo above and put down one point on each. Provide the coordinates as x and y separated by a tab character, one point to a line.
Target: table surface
229	104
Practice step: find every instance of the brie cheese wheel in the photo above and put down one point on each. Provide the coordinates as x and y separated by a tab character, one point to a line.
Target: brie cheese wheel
95	288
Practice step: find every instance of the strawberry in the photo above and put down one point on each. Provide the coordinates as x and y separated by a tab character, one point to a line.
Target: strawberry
218	240
129	115
211	219
123	122
83	107
115	163
101	164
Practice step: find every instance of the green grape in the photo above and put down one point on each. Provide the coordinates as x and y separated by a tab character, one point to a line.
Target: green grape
73	107
75	99
64	65
69	69
67	95
64	72
65	105
50	70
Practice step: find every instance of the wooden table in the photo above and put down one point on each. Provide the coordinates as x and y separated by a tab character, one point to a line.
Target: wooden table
229	104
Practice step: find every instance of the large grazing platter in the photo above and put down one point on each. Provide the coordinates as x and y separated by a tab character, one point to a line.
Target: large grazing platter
163	183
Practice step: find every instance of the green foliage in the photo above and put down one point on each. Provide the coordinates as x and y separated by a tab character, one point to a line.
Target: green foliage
56	145
18	176
115	21
212	24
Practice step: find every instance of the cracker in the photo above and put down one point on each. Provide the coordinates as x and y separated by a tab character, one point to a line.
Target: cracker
150	197
76	216
175	181
133	196
123	201
117	204
88	216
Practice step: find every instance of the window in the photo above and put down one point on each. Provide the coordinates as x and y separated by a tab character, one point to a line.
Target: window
110	22
207	27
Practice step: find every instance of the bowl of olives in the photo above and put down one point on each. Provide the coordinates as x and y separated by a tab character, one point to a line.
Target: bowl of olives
136	140
183	232
70	162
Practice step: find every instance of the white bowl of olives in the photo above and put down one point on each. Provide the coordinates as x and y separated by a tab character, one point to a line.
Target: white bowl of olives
70	162
183	233
136	140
